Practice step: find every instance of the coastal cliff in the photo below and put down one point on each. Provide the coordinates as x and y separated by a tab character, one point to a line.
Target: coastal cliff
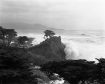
51	49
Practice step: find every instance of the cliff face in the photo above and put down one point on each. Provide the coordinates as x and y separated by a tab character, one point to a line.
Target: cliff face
51	49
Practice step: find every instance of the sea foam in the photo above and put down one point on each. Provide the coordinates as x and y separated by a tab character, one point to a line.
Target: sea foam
84	47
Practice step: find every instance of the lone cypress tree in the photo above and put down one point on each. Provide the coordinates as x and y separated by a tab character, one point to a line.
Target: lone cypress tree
48	34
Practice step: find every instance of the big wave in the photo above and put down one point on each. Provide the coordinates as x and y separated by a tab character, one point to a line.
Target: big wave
83	47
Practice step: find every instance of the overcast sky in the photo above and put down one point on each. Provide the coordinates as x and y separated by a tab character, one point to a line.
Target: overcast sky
62	14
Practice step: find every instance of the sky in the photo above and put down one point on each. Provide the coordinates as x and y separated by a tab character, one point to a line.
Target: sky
60	14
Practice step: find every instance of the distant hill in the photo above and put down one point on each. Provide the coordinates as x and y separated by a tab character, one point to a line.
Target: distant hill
30	28
24	28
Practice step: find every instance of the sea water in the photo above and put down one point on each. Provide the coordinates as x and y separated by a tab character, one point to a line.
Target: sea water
85	45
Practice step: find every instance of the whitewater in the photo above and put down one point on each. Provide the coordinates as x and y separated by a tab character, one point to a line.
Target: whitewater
86	45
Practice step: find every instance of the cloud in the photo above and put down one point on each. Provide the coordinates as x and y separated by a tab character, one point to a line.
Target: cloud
12	6
68	14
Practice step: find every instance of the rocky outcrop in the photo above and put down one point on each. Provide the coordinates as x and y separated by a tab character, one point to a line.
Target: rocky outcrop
51	49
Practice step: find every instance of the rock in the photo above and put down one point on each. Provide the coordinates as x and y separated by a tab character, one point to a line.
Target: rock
51	49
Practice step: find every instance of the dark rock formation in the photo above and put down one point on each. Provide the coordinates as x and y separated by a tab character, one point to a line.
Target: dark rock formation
51	49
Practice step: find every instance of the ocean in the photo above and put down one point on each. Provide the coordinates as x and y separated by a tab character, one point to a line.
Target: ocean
85	45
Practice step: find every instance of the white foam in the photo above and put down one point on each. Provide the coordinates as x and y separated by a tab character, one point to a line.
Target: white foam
87	48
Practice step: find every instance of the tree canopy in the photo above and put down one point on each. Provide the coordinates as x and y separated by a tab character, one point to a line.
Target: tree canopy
78	70
48	33
24	41
15	66
7	35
